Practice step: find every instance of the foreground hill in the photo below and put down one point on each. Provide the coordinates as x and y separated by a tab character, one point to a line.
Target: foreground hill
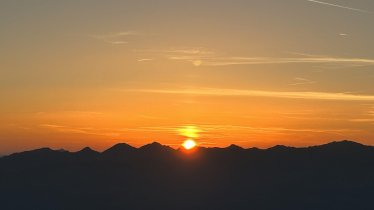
338	175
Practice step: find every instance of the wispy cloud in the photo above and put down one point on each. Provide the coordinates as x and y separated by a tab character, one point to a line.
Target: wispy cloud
363	120
195	56
79	130
70	113
367	118
272	129
302	81
261	93
118	38
145	59
202	57
268	60
197	51
338	6
209	130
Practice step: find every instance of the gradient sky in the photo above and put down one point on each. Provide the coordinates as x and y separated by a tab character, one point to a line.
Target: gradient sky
78	73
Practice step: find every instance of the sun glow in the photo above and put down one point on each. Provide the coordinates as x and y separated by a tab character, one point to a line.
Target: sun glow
189	144
189	131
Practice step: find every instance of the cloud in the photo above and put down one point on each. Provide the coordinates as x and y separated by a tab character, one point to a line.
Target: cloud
71	113
199	57
367	118
118	38
272	129
79	130
116	42
145	59
269	60
363	120
197	63
260	93
202	57
211	130
195	56
198	51
338	6
302	81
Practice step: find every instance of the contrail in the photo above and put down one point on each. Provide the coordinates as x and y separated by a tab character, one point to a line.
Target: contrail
337	96
339	6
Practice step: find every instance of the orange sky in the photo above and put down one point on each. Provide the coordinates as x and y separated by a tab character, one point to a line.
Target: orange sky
253	73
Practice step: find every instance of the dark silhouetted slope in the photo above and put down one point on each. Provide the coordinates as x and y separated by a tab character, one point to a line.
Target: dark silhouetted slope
155	147
119	149
338	175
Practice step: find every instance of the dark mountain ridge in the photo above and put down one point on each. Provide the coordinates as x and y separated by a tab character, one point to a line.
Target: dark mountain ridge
337	175
155	147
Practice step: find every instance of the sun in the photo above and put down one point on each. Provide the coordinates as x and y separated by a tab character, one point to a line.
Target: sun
189	144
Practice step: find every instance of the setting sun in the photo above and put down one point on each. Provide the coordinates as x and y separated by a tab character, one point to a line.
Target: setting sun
189	144
161	104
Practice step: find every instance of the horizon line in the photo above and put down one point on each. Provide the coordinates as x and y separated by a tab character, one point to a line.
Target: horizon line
197	147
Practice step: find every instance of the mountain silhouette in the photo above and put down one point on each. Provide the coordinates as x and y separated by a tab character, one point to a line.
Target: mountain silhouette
87	153
337	175
119	149
234	147
155	147
343	146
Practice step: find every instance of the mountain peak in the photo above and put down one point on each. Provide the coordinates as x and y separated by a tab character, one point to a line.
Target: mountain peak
155	143
87	151
155	146
119	149
44	149
234	147
342	145
280	148
346	143
152	145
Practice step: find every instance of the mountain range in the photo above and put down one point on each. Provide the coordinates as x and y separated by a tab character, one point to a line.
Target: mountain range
337	175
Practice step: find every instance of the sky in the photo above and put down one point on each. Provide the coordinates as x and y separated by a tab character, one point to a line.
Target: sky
255	73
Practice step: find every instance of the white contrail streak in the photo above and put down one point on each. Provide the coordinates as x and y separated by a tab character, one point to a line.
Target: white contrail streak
339	6
261	93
